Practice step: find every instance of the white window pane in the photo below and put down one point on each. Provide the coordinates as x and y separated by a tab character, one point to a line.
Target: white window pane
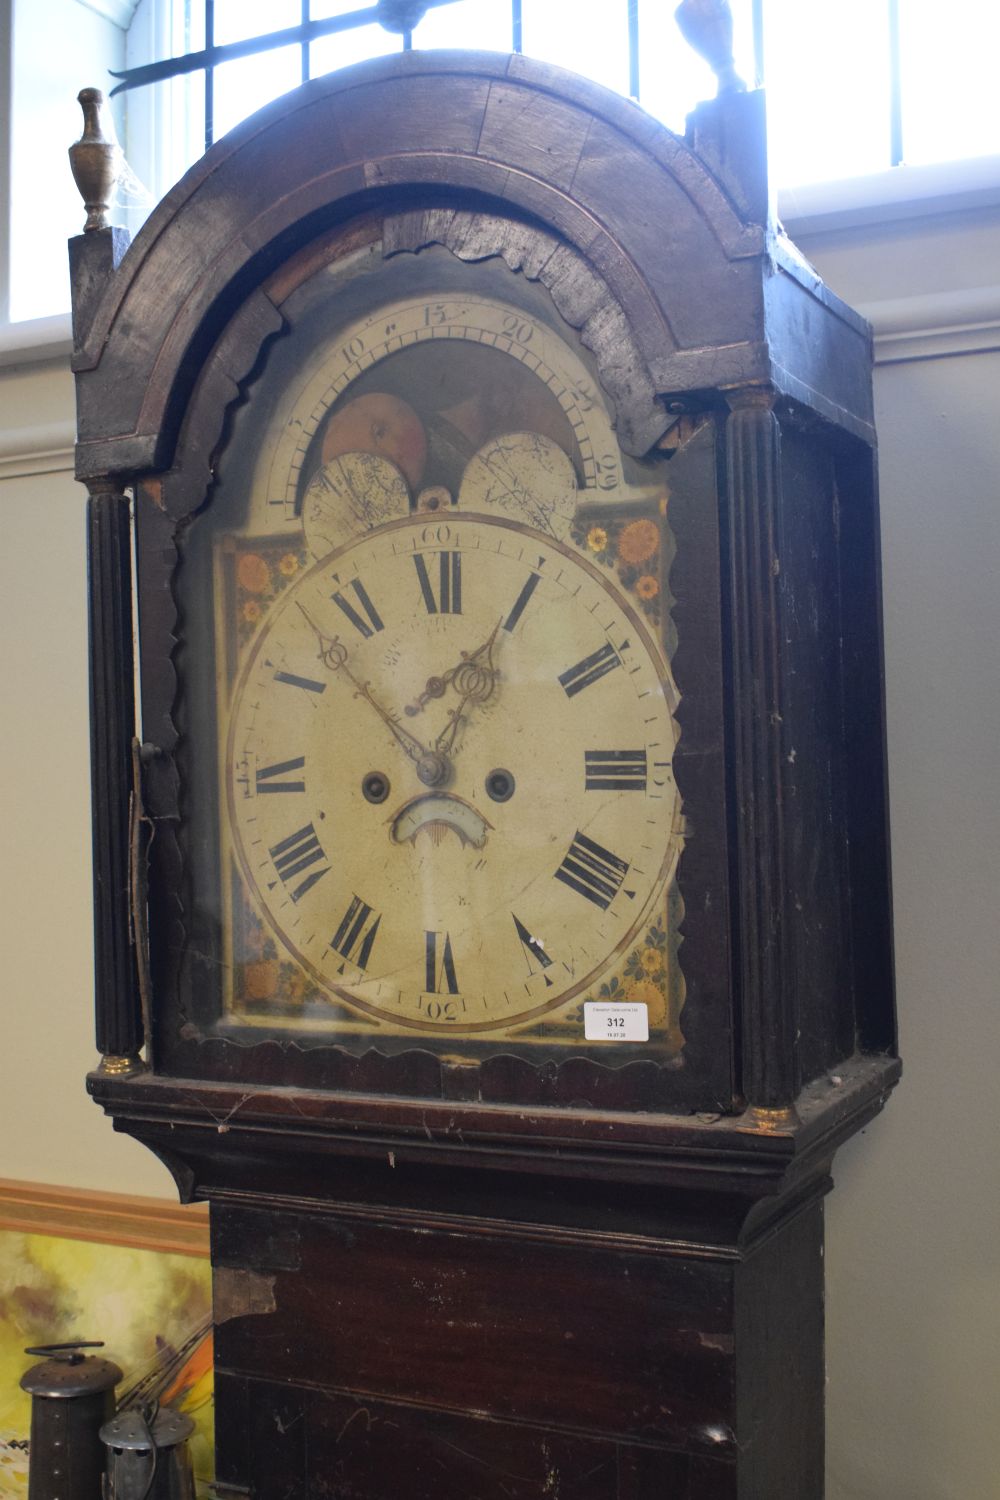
827	75
189	17
165	122
237	19
672	77
183	136
949	90
589	41
484	25
251	82
346	47
48	65
165	135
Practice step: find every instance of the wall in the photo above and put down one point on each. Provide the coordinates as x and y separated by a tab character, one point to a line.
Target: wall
48	1129
913	1278
913	1242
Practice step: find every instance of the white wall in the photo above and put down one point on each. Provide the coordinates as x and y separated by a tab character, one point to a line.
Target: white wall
913	1238
913	1243
58	48
49	1130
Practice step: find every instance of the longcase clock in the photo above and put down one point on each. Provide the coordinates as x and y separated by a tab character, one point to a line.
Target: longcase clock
492	904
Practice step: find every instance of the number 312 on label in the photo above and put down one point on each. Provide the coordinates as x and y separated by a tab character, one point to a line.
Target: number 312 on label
615	1023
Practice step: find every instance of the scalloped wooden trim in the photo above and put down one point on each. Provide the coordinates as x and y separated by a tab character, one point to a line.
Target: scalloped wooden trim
104	1218
577	291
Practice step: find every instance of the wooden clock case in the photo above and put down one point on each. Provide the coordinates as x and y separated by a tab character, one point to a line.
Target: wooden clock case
442	1280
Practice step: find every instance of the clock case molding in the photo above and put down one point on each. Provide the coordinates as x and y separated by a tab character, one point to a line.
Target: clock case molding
717	341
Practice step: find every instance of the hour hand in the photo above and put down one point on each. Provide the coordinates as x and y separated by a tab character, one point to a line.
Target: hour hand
473	676
474	679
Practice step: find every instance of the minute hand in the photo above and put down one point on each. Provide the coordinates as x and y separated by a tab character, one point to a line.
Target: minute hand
333	654
409	742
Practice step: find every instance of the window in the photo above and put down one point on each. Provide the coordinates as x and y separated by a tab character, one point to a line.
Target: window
56	47
854	88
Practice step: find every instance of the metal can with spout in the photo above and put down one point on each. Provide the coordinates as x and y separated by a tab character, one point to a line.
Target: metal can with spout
72	1395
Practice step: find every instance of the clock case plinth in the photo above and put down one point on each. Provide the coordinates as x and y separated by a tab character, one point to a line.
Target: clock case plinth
494	1280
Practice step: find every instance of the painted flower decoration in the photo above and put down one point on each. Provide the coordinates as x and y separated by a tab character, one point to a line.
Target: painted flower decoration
651	960
645	992
647	587
597	539
638	541
289	565
295	985
253	573
251	611
260	978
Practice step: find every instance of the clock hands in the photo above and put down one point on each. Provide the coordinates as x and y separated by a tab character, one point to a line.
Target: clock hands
433	767
474	679
470	676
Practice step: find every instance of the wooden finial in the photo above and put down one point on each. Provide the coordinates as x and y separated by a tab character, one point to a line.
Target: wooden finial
96	159
707	26
400	15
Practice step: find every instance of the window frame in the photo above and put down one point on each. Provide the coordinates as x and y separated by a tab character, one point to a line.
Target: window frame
894	195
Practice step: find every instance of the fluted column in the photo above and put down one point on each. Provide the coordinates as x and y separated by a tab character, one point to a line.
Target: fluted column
112	728
753	454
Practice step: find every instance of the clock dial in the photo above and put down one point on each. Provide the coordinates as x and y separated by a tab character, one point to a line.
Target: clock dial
448	773
441	768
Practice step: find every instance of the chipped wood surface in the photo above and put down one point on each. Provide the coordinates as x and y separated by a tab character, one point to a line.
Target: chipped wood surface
241	1294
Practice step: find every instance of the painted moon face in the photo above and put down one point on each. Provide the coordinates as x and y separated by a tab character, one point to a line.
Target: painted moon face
381	424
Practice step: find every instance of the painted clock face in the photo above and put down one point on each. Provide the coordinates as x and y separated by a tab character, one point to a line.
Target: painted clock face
442	694
450	772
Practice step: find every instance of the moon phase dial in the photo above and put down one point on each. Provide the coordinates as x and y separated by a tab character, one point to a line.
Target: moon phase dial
498	405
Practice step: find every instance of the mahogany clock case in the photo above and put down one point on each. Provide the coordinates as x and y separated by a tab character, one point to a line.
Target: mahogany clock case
538	475
490	1259
779	917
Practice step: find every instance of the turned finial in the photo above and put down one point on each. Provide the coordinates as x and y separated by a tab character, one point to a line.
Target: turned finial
400	15
96	159
707	26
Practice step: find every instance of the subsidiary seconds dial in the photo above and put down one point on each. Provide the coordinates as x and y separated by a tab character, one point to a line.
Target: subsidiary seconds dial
448	773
